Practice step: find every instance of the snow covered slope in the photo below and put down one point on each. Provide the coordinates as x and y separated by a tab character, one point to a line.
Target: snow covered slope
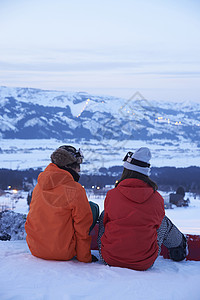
34	122
25	277
32	113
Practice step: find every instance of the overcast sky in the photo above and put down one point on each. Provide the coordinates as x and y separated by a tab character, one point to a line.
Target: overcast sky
111	47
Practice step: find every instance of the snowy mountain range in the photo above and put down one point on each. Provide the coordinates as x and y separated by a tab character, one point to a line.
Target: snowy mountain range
27	113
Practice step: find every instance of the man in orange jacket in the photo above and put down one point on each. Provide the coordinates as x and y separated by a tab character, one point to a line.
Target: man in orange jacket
60	215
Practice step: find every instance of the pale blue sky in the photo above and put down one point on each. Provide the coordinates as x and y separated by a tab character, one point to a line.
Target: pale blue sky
104	47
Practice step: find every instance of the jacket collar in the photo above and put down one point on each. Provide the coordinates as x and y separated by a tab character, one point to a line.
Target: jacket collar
74	174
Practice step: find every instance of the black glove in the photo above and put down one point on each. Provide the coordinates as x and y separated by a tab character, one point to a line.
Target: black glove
94	258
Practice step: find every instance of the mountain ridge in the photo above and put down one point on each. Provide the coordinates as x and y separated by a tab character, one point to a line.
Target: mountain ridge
34	113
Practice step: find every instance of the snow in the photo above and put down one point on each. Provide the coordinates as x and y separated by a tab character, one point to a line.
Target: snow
24	276
187	219
55	98
108	115
5	124
26	153
14	201
33	122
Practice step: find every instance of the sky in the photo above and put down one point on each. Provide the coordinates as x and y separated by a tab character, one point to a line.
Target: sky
103	47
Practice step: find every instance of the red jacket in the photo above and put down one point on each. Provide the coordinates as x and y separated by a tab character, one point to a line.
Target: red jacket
60	217
132	214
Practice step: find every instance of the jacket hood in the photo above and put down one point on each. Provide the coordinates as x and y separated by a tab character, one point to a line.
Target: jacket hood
53	176
135	190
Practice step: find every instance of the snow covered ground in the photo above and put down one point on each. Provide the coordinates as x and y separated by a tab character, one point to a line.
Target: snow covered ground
24	154
26	277
23	276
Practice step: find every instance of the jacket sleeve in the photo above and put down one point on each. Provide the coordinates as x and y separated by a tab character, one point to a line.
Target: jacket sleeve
82	217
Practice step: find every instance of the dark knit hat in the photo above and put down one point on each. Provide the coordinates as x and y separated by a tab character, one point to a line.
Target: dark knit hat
66	155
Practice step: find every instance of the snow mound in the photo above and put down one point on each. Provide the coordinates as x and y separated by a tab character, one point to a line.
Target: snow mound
12	224
24	276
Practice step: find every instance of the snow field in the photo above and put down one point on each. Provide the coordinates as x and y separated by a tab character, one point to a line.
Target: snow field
23	276
24	154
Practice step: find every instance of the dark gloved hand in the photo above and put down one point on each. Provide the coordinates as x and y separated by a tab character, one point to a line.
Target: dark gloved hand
179	253
94	258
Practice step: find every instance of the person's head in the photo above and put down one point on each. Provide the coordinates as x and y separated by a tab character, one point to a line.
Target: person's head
137	165
67	157
180	191
138	161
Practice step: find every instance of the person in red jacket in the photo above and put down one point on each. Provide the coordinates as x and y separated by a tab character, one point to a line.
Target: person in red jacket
133	225
60	216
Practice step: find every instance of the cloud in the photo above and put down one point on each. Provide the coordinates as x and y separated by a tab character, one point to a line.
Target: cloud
107	45
124	68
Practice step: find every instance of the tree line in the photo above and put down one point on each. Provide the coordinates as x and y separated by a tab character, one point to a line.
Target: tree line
167	178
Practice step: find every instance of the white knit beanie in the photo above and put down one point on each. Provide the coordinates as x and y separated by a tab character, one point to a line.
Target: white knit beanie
138	161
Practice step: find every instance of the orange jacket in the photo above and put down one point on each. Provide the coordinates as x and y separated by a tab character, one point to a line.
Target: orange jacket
60	217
